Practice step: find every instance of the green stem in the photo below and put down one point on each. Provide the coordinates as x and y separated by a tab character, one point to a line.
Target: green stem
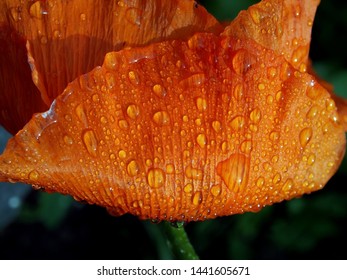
178	241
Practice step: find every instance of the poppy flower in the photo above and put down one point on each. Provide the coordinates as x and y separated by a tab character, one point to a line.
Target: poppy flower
183	120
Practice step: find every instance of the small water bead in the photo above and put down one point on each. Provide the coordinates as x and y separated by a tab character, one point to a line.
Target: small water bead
133	168
260	182
255	14
201	140
197	198
274	136
193	80
83	17
161	118
311	159
261	86
133	111
313	90
305	136
95	98
81	114
276	179
90	142
156	178
288	185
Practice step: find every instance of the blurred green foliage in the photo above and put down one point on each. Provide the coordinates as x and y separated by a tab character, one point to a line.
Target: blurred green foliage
312	227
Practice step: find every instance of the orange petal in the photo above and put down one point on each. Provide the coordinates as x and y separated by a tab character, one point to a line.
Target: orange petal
68	38
281	25
188	130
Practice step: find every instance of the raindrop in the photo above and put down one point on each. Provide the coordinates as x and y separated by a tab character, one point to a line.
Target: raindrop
68	140
161	118
134	77
201	140
197	198
237	123
305	136
37	10
234	171
159	90
216	125
156	178
188	188
90	142
216	190
133	168
255	115
201	104
33	175
133	111
133	16
193	173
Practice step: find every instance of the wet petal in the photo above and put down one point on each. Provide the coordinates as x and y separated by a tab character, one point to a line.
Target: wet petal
68	38
189	130
281	25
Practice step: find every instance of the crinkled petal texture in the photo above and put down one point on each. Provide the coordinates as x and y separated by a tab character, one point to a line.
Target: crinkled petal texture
64	39
188	129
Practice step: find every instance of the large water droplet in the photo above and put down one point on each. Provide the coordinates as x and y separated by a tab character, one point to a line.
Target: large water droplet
134	16
159	90
90	142
305	136
201	140
246	146
188	188
37	10
313	90
134	77
237	123
201	104
133	168
241	62
133	111
34	175
193	80
193	173
122	154
217	126
238	92
156	178
161	118
216	190
81	114
288	185
313	112
197	198
234	171
255	115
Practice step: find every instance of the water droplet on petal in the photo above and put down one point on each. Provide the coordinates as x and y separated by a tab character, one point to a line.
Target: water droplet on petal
133	168
133	111
161	118
274	136
188	188
246	146
197	198
255	115
255	15
33	175
123	124
238	92
313	112
159	90
216	190
313	90
37	10
311	159
170	168
237	123
201	104
134	16
134	77
156	178
201	140
216	125
68	140
193	80
193	173
122	154
234	171
288	185
305	136
90	142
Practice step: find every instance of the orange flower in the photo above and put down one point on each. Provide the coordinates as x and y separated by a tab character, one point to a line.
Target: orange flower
181	127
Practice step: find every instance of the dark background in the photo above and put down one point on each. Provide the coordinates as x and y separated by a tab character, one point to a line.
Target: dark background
36	225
